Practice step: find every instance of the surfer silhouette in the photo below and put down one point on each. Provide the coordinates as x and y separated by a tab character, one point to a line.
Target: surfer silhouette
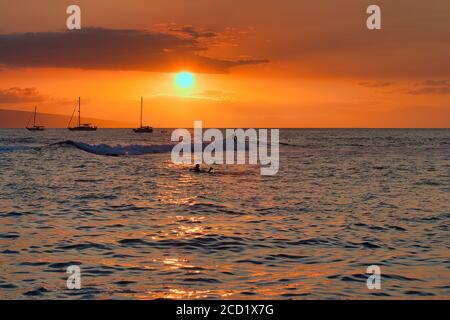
197	169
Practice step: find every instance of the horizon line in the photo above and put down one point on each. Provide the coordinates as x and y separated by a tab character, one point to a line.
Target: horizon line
285	128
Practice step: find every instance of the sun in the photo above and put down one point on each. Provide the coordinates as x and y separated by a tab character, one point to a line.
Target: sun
184	79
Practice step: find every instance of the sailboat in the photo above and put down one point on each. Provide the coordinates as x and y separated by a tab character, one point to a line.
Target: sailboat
143	129
81	126
35	127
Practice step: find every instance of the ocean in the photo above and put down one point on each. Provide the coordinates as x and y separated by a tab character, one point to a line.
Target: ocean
140	227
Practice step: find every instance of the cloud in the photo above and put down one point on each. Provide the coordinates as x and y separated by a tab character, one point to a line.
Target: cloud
207	95
228	37
113	49
436	83
216	95
375	84
20	95
432	87
189	31
431	90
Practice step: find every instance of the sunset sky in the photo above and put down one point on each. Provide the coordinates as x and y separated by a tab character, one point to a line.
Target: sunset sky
261	63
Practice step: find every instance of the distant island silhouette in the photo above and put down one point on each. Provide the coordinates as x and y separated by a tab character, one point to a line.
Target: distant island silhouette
18	119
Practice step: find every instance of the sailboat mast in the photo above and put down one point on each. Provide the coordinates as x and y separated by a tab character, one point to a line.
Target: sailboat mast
142	102
34	119
79	111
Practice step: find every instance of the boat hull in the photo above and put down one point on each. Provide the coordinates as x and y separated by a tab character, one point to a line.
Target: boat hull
143	130
35	129
83	129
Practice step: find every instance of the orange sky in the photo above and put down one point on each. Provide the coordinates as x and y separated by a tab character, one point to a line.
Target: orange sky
256	64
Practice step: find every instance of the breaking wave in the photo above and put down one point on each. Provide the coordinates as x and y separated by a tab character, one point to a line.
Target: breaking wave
119	150
105	149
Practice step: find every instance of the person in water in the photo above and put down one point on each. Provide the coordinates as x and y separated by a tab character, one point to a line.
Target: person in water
197	169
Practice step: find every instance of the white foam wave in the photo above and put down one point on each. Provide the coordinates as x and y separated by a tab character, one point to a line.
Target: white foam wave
118	150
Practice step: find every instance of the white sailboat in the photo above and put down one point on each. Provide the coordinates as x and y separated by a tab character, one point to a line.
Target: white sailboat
35	127
143	129
81	126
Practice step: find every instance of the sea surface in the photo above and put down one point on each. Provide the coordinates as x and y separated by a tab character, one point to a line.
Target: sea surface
141	227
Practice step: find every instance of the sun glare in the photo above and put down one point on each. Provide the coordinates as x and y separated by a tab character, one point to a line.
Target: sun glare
184	80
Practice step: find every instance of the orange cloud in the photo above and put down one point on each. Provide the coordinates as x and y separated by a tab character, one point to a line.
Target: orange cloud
19	95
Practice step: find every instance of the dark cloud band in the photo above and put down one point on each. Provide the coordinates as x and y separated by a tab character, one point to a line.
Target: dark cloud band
111	49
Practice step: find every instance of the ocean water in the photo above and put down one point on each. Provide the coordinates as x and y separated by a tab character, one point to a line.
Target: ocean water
141	227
